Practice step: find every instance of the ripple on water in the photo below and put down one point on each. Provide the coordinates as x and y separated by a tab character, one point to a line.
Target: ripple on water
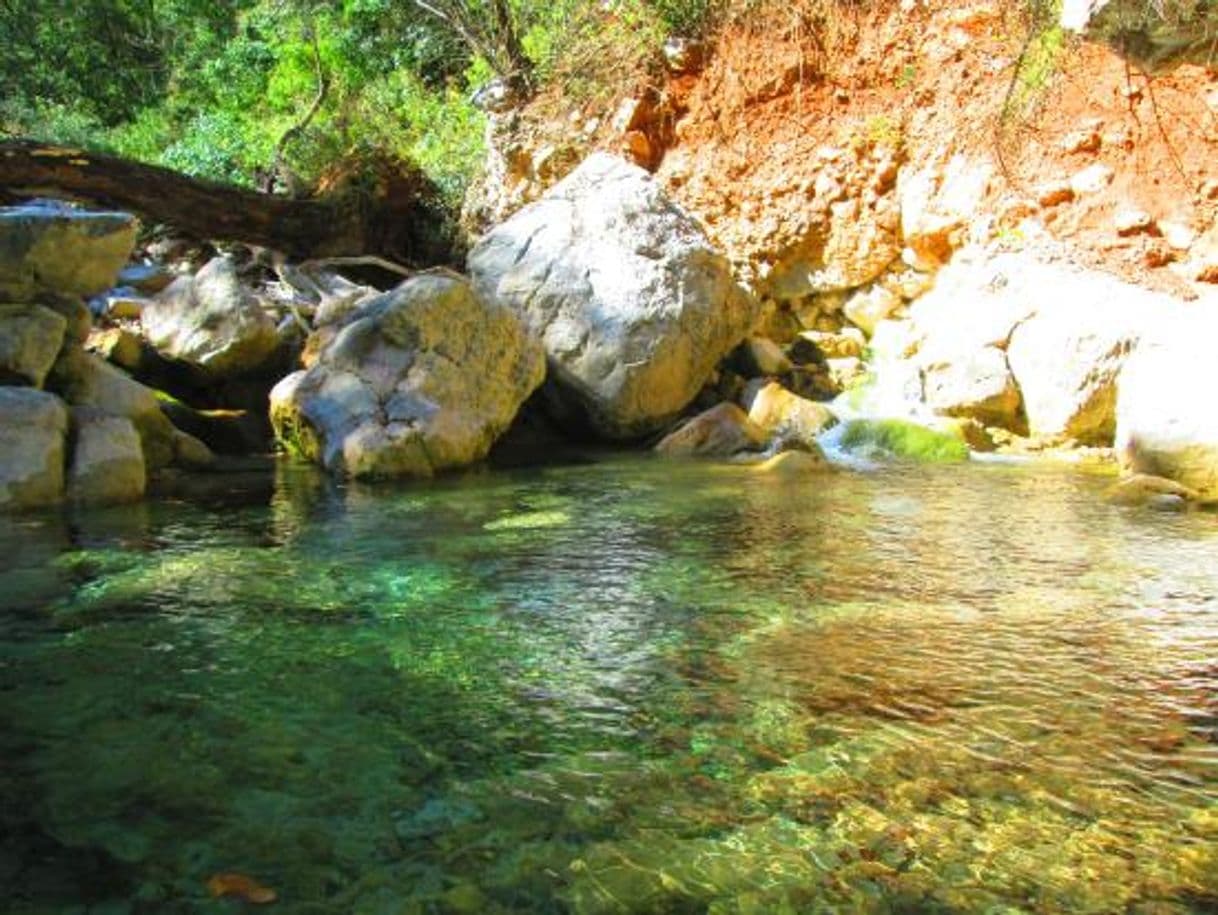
632	687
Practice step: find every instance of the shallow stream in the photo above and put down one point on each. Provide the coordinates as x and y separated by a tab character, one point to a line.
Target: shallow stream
626	686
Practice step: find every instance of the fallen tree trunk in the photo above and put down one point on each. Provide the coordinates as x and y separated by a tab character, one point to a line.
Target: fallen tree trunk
403	223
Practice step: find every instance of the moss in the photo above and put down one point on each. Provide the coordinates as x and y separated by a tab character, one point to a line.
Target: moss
901	438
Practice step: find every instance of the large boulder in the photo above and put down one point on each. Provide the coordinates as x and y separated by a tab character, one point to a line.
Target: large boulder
30	338
86	380
1013	340
633	307
213	322
1167	425
107	459
61	250
1068	356
420	379
33	432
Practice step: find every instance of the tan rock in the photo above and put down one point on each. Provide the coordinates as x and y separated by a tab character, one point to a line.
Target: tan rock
30	338
637	147
1140	488
61	250
721	431
119	346
632	305
1091	180
1178	236
1202	265
937	205
191	453
1081	141
849	342
1067	357
125	307
74	311
978	384
1132	222
846	372
33	433
85	380
868	307
758	356
107	459
784	416
855	244
1166	422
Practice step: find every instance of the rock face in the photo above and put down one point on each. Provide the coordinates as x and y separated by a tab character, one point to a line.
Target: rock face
33	432
418	380
107	459
30	338
1166	422
85	380
851	247
61	250
632	306
211	321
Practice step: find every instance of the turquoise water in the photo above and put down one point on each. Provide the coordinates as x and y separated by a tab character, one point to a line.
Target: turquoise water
630	686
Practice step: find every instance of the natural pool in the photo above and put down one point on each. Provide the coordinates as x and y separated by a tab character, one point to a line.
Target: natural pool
629	686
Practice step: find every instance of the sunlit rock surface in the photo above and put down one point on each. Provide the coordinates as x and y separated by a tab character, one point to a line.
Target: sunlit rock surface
621	286
421	379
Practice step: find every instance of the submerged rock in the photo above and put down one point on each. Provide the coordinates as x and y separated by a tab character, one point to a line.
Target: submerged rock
1143	488
30	338
62	250
632	305
33	433
721	431
794	463
213	322
418	380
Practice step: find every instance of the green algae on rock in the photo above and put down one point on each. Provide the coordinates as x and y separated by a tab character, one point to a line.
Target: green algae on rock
903	439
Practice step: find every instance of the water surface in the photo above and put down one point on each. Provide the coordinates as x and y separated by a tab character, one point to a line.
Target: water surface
632	686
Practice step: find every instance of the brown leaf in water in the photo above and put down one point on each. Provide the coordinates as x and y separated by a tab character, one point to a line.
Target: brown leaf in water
241	886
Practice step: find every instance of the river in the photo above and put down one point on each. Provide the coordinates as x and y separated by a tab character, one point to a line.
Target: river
617	686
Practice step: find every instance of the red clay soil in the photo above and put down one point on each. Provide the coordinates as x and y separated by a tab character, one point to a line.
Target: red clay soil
937	79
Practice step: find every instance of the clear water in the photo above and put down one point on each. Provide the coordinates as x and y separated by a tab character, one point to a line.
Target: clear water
628	687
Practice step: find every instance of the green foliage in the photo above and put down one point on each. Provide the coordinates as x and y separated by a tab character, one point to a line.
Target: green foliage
211	88
1157	35
1040	58
689	18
